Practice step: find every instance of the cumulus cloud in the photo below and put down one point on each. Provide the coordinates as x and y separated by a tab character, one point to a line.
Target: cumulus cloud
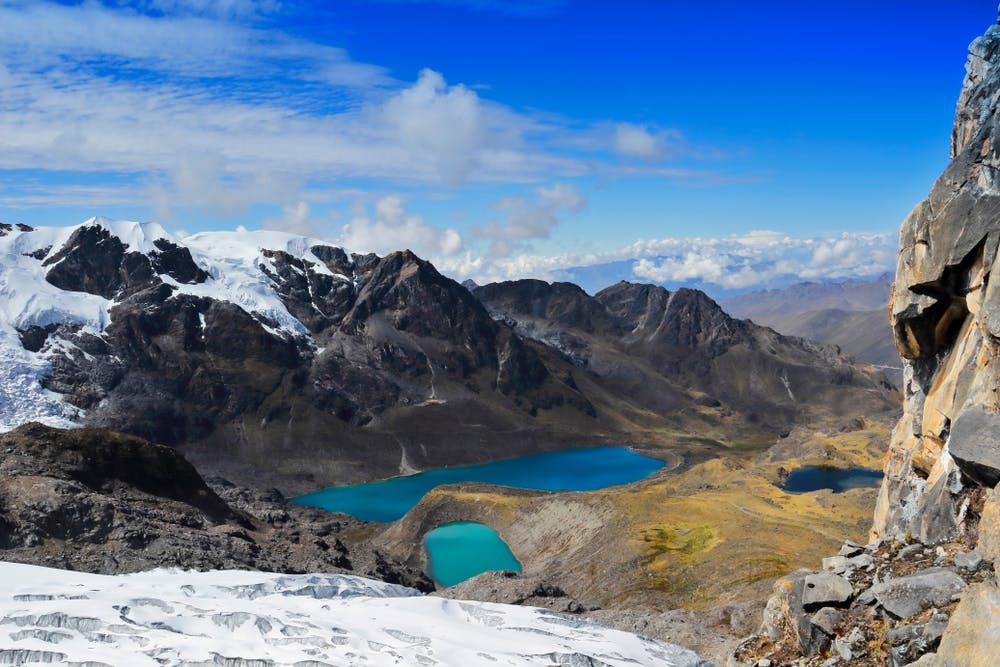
528	219
756	259
441	124
393	228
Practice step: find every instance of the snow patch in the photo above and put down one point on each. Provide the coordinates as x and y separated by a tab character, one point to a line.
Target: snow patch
236	617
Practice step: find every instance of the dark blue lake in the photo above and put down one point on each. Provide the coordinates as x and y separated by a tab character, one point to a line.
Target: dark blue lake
567	470
458	551
815	478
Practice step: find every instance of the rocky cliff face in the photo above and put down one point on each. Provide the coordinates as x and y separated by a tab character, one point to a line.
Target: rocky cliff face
924	590
945	313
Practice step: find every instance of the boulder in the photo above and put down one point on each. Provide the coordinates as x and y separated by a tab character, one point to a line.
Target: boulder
906	596
825	588
827	619
785	609
974	443
989	528
973	633
968	561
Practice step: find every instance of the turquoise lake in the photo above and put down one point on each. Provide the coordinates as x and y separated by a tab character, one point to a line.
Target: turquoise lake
568	470
458	551
814	478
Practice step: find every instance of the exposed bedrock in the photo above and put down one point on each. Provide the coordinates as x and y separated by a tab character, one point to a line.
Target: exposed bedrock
945	312
924	590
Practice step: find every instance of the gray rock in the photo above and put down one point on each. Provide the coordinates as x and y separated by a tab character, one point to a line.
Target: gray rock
937	512
974	443
971	638
827	619
861	562
835	564
851	646
909	551
826	588
786	610
934	629
968	561
926	660
905	596
904	634
850	549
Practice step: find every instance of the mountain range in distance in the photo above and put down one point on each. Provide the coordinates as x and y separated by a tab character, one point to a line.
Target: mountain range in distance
852	315
268	353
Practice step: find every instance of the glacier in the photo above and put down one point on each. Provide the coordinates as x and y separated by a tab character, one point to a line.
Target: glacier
256	619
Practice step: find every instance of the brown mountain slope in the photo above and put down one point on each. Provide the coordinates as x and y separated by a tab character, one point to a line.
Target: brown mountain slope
850	315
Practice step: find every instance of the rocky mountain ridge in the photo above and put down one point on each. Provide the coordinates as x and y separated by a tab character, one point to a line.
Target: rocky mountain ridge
642	339
248	348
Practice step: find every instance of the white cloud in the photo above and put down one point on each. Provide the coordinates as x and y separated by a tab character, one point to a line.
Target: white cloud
753	260
295	219
393	228
638	141
529	219
440	124
222	8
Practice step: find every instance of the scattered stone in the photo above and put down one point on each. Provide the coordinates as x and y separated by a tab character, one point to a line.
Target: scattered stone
850	549
861	562
909	551
905	596
827	619
835	564
851	646
968	561
826	588
902	634
934	628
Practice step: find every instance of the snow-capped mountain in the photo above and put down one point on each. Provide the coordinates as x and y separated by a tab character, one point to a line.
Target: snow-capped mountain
250	619
35	294
248	348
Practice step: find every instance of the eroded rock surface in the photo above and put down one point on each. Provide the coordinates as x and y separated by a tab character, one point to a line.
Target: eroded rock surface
98	501
927	594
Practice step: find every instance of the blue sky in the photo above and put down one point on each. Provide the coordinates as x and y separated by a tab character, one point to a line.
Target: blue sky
728	144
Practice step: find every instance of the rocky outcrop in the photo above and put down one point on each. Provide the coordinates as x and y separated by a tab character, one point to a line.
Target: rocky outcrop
944	312
886	603
930	594
188	357
99	501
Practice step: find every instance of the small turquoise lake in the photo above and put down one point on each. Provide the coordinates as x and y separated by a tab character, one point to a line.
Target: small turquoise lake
458	551
815	478
585	469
